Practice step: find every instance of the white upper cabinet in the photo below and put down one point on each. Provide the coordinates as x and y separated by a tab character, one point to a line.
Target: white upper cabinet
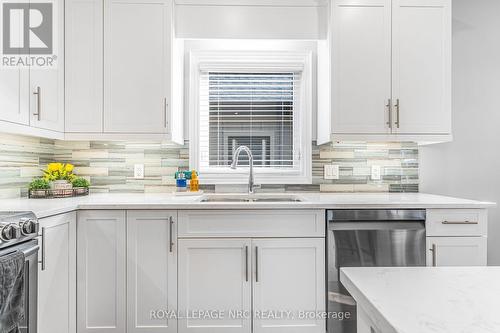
12	82
422	66
362	66
47	85
14	109
84	66
122	62
137	45
33	97
390	71
47	98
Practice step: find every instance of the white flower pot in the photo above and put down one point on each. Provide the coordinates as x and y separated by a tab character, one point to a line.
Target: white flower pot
61	185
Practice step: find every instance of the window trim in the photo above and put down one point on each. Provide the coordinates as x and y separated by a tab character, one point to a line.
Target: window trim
237	60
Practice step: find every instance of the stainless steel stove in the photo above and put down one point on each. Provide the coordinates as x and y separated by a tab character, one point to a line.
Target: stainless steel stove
17	227
18	233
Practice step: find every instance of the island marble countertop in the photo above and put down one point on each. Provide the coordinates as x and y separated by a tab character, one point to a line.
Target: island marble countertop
427	299
48	207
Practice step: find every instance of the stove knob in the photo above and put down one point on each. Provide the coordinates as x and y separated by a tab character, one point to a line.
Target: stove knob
9	232
28	227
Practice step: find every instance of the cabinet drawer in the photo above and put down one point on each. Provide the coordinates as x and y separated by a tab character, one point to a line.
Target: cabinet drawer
252	223
456	222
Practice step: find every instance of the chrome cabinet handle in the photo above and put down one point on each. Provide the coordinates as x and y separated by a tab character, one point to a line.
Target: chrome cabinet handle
165	111
460	222
389	109
38	94
433	249
43	249
246	263
171	236
256	264
397	113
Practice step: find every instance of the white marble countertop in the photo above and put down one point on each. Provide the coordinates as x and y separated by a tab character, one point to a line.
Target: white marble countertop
428	299
48	207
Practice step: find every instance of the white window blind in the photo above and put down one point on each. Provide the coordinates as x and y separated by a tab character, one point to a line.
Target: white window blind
257	109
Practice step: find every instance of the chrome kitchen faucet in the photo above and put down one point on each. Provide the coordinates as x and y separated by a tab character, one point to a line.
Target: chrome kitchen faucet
234	164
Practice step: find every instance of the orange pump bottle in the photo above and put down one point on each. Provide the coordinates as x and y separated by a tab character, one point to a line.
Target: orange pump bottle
194	184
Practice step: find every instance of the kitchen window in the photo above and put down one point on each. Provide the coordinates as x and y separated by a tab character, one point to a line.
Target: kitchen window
261	101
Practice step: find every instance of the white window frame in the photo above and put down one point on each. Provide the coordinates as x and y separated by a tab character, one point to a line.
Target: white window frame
259	60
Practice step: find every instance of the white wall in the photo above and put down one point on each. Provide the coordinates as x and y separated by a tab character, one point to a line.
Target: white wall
470	165
251	19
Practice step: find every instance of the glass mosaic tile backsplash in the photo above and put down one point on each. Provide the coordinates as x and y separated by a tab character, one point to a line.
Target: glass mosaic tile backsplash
110	165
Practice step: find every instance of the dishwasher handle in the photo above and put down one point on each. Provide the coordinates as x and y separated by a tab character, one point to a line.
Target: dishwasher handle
355	226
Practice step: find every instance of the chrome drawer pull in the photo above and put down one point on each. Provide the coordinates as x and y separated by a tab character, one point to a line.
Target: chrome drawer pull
42	262
246	263
256	264
171	234
38	94
434	255
397	113
389	110
460	222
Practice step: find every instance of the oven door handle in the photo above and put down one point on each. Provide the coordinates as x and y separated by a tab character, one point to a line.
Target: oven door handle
30	251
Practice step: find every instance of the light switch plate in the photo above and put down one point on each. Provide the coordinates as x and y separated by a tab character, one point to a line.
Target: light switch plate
332	171
376	172
139	171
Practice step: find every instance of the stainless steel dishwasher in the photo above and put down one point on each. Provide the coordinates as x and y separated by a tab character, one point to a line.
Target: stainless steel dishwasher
368	238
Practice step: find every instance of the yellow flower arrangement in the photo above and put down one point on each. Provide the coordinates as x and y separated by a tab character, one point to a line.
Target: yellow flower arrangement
59	171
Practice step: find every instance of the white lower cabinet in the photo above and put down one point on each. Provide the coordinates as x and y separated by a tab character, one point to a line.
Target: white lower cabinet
134	275
151	272
127	271
457	237
214	275
101	272
286	277
289	276
57	275
456	251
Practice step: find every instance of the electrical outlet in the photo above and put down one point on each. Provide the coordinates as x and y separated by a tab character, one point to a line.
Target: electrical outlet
376	172
332	171
139	171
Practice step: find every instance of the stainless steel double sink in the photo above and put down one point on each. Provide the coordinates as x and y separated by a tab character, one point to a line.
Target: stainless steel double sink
250	198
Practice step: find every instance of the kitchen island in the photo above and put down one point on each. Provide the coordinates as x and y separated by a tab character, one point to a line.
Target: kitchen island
425	299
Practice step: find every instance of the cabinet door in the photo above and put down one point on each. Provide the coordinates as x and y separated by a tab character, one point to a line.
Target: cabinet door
422	66
57	276
84	57
214	274
289	275
151	271
361	68
137	45
456	251
101	273
47	84
13	95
